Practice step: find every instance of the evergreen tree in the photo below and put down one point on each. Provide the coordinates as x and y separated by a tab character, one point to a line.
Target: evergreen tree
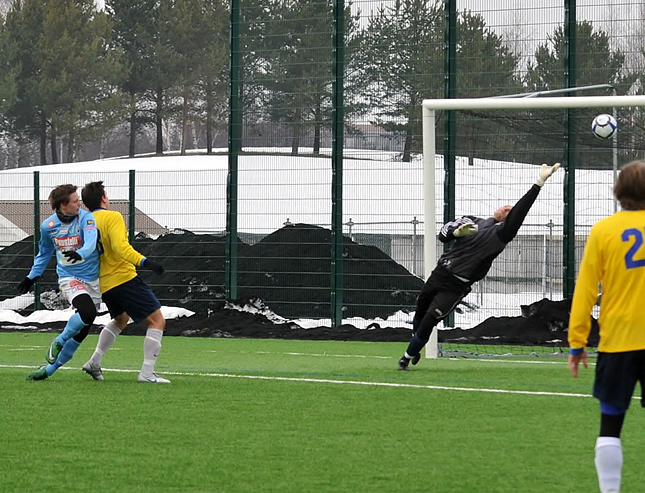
403	62
80	72
486	67
596	63
298	70
8	77
24	116
188	39
64	72
167	72
253	42
213	80
135	33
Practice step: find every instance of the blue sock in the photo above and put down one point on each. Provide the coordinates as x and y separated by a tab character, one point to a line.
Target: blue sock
65	355
73	327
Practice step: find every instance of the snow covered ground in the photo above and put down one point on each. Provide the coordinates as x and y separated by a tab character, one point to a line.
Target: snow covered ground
379	192
497	305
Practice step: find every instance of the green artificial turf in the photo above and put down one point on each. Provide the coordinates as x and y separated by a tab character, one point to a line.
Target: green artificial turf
274	415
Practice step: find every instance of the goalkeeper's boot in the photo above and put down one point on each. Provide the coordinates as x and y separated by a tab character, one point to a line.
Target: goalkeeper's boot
93	370
404	362
53	351
39	374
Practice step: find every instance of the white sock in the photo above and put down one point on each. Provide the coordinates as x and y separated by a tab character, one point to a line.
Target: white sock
151	349
609	463
106	338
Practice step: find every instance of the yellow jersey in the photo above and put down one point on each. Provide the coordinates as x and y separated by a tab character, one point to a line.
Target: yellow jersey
117	257
614	258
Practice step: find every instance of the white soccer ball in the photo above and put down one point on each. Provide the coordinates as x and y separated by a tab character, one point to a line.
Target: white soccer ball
604	126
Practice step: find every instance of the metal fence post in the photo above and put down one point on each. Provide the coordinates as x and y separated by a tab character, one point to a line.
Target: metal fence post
131	205
234	148
37	304
336	291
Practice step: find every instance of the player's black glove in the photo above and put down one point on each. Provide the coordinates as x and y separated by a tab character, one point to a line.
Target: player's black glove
153	266
73	256
26	284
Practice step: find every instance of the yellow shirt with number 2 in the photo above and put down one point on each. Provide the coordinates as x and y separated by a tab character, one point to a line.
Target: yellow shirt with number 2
614	257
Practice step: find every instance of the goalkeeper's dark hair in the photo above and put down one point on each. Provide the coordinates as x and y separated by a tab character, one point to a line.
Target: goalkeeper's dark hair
92	195
60	195
629	188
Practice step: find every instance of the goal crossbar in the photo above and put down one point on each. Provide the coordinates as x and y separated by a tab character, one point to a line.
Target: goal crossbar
499	103
430	106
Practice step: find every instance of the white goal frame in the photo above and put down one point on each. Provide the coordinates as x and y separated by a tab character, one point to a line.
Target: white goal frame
430	106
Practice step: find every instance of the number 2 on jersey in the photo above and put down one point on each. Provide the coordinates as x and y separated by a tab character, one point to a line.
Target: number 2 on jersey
630	261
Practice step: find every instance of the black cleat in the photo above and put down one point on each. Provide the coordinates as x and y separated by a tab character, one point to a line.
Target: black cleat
404	363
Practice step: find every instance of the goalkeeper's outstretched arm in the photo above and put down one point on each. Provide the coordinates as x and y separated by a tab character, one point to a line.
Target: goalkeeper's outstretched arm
518	213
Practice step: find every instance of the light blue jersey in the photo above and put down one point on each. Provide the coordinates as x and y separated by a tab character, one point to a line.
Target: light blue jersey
80	235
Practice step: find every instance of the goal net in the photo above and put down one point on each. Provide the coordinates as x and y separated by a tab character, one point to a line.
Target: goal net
522	305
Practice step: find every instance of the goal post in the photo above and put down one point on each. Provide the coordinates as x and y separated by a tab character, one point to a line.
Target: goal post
508	104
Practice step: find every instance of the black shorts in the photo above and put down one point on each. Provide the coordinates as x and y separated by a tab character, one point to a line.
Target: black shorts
133	297
616	377
441	293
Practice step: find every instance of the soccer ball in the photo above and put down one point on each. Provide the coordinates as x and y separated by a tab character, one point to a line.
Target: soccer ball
604	126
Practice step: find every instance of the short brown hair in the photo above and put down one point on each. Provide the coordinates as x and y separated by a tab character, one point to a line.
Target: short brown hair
629	188
60	195
93	194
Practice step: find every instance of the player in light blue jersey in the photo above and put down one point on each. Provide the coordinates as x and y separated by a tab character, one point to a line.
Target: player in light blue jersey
72	235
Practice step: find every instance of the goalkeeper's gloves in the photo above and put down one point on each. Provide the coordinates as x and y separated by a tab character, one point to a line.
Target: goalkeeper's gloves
545	173
467	229
25	286
73	256
156	267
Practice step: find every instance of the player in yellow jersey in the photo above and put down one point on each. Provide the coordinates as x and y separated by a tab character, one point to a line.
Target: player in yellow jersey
614	257
123	291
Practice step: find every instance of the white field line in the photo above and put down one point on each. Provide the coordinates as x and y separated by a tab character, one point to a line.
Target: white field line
315	355
339	382
523	362
562	362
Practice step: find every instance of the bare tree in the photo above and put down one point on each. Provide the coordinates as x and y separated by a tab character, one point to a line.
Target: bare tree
519	35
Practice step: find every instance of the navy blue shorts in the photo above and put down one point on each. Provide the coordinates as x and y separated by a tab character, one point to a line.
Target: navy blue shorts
133	297
616	377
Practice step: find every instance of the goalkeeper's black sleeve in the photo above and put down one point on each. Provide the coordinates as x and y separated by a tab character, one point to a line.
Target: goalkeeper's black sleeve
517	215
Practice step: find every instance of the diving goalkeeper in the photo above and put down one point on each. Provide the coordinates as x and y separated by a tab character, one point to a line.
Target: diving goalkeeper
478	242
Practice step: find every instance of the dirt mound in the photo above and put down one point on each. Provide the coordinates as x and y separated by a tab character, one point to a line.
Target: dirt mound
289	270
543	323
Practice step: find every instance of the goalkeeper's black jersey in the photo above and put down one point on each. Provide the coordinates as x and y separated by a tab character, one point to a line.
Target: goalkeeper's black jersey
471	257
